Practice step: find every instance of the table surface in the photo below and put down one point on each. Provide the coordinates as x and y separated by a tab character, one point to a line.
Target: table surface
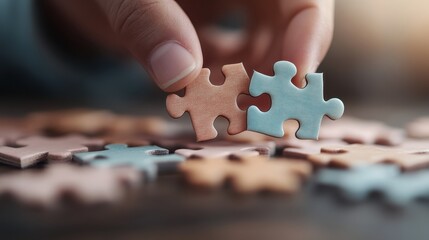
168	209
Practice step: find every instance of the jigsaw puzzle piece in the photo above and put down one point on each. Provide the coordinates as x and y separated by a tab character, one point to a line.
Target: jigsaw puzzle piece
406	188
418	128
48	187
305	105
247	175
358	155
357	183
148	159
227	149
205	102
37	148
354	130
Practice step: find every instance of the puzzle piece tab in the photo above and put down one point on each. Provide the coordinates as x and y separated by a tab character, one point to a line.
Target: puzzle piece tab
205	102
227	149
86	185
247	175
148	159
305	105
34	149
358	155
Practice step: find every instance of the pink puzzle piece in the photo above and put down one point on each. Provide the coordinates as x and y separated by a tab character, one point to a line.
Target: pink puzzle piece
86	185
354	130
302	149
418	128
357	155
227	149
34	149
205	102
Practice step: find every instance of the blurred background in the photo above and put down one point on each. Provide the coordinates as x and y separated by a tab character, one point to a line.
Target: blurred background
379	55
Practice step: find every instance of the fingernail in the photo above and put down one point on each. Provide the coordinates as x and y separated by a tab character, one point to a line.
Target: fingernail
170	62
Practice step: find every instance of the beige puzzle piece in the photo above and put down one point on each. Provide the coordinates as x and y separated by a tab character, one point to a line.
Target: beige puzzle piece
354	130
227	149
418	128
205	102
302	149
34	149
247	175
48	187
82	121
358	155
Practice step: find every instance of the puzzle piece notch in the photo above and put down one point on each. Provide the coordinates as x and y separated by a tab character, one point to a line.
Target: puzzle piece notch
148	159
305	105
34	149
227	149
357	155
86	185
247	175
205	102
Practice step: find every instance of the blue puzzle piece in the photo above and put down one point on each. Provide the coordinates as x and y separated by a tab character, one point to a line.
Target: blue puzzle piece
148	159
305	105
355	184
402	190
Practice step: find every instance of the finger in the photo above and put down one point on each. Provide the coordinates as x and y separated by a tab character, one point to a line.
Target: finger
161	36
308	37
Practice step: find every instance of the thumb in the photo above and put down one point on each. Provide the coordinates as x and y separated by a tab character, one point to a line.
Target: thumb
161	36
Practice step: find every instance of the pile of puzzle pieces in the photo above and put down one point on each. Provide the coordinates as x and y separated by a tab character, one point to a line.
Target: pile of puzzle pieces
95	156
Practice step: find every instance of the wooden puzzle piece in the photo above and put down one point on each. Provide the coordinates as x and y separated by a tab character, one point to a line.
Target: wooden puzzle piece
302	149
72	121
86	185
31	150
357	183
357	155
148	159
354	130
247	175
205	102
305	105
227	149
418	128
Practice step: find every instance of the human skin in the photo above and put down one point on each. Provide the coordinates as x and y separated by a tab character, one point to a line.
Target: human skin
172	38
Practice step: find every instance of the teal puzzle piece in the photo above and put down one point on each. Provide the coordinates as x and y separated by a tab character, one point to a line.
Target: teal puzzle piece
355	184
306	105
148	159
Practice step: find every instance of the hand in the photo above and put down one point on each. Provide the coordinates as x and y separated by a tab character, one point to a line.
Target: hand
165	36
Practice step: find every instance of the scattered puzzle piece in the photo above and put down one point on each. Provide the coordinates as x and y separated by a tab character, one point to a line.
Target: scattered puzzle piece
227	149
302	149
357	155
86	185
353	130
31	150
149	159
305	105
247	175
419	128
205	102
405	188
73	121
357	183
